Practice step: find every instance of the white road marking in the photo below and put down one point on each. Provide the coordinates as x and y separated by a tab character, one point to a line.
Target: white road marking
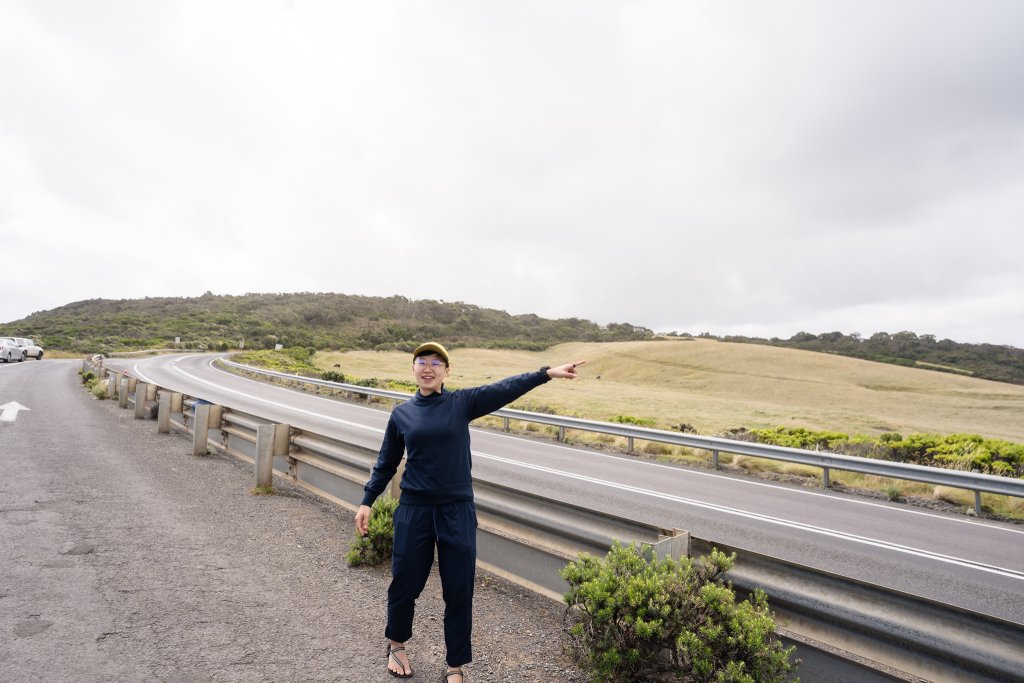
797	491
878	543
276	404
1011	573
9	411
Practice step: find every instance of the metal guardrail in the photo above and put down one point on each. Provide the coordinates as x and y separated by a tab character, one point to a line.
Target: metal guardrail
972	481
529	538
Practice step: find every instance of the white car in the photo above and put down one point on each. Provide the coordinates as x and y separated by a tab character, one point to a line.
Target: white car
10	351
31	349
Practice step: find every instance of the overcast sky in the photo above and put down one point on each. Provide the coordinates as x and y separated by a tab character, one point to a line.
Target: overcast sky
737	168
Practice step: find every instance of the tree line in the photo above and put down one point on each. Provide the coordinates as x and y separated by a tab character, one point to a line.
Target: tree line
985	361
313	320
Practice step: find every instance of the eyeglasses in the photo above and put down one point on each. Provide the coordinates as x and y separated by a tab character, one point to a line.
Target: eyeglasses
421	362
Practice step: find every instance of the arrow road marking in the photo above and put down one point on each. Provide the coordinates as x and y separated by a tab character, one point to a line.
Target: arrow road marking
9	411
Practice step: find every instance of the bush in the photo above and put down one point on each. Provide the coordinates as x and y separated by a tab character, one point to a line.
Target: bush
375	547
333	376
98	388
88	377
630	420
634	618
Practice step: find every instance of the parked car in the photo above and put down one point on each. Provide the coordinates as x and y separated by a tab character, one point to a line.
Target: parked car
10	351
31	349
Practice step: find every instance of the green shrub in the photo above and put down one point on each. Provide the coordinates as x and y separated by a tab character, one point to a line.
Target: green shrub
632	617
88	377
375	547
402	385
333	376
98	388
967	452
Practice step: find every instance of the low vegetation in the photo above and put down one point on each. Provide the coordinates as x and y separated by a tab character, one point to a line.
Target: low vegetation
96	386
376	546
966	452
632	617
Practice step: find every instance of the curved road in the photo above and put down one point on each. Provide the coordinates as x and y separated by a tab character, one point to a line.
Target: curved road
971	563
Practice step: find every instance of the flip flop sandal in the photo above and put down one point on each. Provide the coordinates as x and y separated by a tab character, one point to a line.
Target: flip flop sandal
457	672
391	655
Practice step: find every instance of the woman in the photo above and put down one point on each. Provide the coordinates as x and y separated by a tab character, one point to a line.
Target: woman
436	506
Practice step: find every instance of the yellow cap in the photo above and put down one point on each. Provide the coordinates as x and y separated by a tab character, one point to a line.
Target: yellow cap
431	347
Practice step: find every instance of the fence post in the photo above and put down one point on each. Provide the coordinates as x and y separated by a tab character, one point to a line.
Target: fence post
265	455
163	416
675	545
200	427
140	400
122	389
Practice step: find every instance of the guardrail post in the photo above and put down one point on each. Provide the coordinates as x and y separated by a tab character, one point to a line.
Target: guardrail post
122	389
675	546
825	480
200	427
977	502
714	459
561	434
505	427
132	383
140	400
163	415
265	434
177	401
111	385
629	445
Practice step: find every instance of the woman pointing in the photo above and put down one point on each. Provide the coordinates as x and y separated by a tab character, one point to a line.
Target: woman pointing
436	507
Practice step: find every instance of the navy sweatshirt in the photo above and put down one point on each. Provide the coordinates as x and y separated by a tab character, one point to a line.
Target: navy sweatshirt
434	431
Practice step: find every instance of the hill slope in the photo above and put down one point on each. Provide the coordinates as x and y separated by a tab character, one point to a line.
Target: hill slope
321	320
717	386
987	361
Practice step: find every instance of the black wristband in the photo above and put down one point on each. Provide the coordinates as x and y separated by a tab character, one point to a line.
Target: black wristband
545	370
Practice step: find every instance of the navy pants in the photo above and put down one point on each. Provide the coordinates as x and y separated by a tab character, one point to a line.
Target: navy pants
418	529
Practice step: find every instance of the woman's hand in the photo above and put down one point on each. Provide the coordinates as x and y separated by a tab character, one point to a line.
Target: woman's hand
363	520
567	371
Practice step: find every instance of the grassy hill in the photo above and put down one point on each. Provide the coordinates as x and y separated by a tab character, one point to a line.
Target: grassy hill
988	361
320	320
717	386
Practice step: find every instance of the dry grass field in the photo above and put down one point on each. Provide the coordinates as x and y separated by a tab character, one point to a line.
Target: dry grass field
715	386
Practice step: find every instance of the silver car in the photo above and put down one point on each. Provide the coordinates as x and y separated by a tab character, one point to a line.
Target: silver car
31	349
10	351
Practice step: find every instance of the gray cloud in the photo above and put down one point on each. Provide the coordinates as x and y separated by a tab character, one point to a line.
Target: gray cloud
702	167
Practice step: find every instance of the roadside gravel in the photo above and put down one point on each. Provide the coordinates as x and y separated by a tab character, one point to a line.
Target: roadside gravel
127	559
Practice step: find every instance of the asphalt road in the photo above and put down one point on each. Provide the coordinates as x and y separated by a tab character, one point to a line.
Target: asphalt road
976	564
124	558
